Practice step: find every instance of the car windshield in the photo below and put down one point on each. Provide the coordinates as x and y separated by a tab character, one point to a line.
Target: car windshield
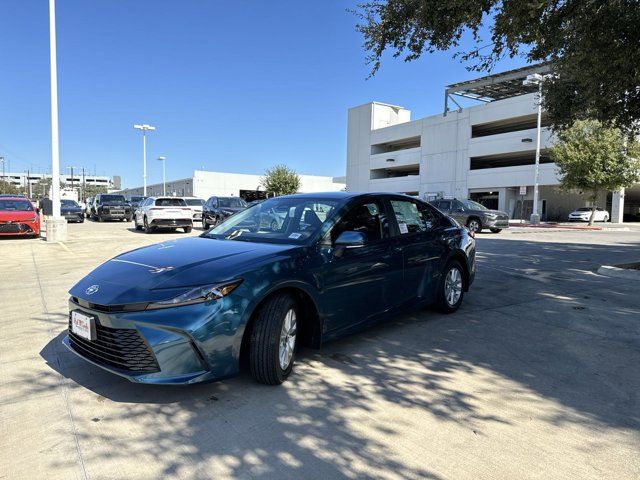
584	209
16	205
194	202
471	205
170	202
277	220
231	202
137	199
69	203
112	198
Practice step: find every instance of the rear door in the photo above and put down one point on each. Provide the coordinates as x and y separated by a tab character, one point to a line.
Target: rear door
418	234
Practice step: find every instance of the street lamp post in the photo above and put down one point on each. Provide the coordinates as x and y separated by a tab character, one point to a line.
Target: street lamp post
3	177
536	79
164	177
144	128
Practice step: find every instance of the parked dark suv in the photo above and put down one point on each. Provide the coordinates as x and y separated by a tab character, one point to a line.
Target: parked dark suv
217	209
472	214
109	206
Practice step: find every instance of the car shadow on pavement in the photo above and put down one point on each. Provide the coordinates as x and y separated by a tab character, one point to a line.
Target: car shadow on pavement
539	324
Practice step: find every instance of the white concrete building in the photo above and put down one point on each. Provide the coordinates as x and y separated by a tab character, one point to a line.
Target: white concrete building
485	152
22	180
204	184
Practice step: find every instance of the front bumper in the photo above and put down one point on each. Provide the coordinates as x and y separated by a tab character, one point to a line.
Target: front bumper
19	228
117	215
181	345
74	217
496	222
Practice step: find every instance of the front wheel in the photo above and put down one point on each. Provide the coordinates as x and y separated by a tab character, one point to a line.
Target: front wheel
451	289
187	229
474	225
496	230
273	340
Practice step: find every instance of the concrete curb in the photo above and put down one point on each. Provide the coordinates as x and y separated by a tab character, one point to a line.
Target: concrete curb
625	273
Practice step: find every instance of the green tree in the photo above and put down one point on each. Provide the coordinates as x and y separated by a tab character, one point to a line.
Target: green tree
280	180
8	187
594	158
591	46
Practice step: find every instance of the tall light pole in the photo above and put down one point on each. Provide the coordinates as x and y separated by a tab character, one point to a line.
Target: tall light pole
536	79
164	177
72	179
3	177
55	148
144	128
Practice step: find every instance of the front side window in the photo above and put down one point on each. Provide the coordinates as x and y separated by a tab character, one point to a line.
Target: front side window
194	202
367	218
471	205
412	217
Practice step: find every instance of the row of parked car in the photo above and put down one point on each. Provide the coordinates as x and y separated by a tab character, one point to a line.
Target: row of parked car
160	212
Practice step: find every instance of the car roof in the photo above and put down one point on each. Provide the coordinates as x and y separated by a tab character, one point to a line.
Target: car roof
349	195
13	197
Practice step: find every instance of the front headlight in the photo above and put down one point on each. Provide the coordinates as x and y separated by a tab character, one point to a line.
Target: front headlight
201	294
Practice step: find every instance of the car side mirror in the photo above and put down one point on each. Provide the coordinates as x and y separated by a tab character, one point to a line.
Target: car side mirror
350	239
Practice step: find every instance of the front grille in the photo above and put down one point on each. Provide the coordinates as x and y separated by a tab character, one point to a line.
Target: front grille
14	228
120	348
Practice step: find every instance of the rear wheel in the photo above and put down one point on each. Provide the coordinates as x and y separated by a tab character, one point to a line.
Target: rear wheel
451	289
495	230
273	340
474	224
147	228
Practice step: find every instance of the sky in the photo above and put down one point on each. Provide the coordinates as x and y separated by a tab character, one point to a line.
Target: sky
230	86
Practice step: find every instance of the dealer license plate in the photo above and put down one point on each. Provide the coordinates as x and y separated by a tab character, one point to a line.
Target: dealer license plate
83	325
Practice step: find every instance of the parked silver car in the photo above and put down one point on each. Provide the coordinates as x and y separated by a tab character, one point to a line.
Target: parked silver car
472	214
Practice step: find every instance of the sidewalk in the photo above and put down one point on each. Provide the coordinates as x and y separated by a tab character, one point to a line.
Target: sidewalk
554	226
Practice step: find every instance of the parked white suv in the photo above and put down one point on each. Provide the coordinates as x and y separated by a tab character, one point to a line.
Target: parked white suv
163	212
195	204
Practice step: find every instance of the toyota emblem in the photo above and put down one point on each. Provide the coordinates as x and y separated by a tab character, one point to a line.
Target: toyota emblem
92	289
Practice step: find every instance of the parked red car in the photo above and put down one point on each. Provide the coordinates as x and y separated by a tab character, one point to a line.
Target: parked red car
18	217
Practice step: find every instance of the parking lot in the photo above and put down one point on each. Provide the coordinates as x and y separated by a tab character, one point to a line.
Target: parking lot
535	377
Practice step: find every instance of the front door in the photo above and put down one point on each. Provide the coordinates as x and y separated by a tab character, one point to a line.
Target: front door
355	282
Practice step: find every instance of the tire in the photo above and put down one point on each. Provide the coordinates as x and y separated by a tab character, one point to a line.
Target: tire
495	230
147	228
474	224
267	363
188	229
205	225
100	219
446	302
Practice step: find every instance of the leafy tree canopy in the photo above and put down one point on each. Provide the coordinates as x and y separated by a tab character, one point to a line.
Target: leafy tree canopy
280	180
594	158
8	187
592	46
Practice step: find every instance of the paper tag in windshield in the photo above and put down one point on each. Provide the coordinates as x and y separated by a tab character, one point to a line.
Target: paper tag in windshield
295	236
403	228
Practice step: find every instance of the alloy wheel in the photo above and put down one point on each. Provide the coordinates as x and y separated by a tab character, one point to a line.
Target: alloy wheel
287	339
474	225
453	286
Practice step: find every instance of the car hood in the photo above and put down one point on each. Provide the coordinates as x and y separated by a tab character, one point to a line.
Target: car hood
8	215
164	270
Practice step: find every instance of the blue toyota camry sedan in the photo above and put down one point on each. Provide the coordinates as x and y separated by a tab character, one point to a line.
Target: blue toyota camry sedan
189	310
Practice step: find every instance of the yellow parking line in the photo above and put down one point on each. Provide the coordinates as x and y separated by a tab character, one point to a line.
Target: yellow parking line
65	247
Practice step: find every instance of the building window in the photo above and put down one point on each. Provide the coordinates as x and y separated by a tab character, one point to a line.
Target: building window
508	160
